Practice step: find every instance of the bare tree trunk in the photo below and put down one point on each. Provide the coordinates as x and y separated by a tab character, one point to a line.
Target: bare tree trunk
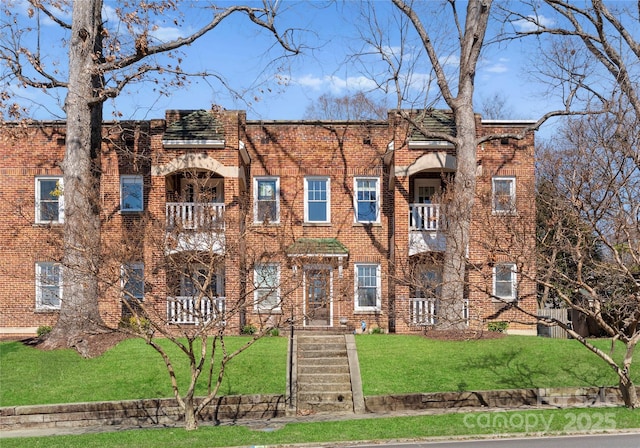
628	391
626	385
459	209
79	314
458	213
190	419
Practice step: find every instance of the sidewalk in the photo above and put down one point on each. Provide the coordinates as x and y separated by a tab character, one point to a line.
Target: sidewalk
258	425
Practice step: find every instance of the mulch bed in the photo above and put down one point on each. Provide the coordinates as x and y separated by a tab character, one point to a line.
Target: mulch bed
462	335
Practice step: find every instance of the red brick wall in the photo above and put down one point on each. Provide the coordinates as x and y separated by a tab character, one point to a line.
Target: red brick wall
291	151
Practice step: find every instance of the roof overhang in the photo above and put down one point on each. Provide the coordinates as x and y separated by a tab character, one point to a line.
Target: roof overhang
198	144
430	144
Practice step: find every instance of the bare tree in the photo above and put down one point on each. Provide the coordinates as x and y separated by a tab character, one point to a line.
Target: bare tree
436	82
458	95
104	58
186	303
495	107
358	106
589	257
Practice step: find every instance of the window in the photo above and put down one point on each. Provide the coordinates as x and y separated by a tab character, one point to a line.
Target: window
367	205
504	194
266	199
504	281
199	281
266	281
49	200
367	287
133	280
317	195
48	286
427	282
131	193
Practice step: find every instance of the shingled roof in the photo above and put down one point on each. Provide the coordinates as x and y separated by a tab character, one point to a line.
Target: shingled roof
199	125
434	120
328	247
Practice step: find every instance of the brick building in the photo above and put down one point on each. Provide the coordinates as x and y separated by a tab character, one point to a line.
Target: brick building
329	224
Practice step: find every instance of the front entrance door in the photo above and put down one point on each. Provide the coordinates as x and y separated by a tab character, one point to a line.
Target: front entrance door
317	282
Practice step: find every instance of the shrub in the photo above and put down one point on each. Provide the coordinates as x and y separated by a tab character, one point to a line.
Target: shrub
275	332
498	327
43	330
138	325
377	330
249	329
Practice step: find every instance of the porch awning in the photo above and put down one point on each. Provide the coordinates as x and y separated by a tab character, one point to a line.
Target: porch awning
317	247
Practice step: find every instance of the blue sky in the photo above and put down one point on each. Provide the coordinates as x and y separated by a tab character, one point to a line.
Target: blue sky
330	32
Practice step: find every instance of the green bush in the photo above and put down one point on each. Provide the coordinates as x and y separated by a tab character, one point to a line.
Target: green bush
275	332
377	330
498	327
43	330
249	329
136	324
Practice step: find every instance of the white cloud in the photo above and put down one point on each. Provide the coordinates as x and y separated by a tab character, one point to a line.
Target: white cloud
335	84
166	33
109	14
451	60
532	23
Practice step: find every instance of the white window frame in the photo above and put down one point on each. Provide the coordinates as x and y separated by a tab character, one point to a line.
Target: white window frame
514	281
60	200
40	285
256	201
356	200
327	180
378	286
511	208
260	290
136	179
125	268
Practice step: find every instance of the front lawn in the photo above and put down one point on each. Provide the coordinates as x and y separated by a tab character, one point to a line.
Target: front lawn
131	370
389	364
396	364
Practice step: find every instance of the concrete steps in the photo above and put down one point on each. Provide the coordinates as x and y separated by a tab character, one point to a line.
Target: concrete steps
323	375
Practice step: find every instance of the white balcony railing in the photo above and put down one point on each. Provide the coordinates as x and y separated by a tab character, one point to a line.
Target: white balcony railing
425	311
195	215
193	310
422	311
424	216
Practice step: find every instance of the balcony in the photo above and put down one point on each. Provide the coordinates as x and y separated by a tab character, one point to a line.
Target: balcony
196	216
424	311
424	229
193	310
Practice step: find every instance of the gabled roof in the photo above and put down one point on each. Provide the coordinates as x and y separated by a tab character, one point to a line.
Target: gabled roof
327	247
198	126
433	120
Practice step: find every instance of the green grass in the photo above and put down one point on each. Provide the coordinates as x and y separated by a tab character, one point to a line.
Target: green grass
131	370
389	364
444	425
396	364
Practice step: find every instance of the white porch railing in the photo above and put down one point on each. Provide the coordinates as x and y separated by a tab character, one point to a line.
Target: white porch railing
425	311
191	310
424	216
422	311
195	215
